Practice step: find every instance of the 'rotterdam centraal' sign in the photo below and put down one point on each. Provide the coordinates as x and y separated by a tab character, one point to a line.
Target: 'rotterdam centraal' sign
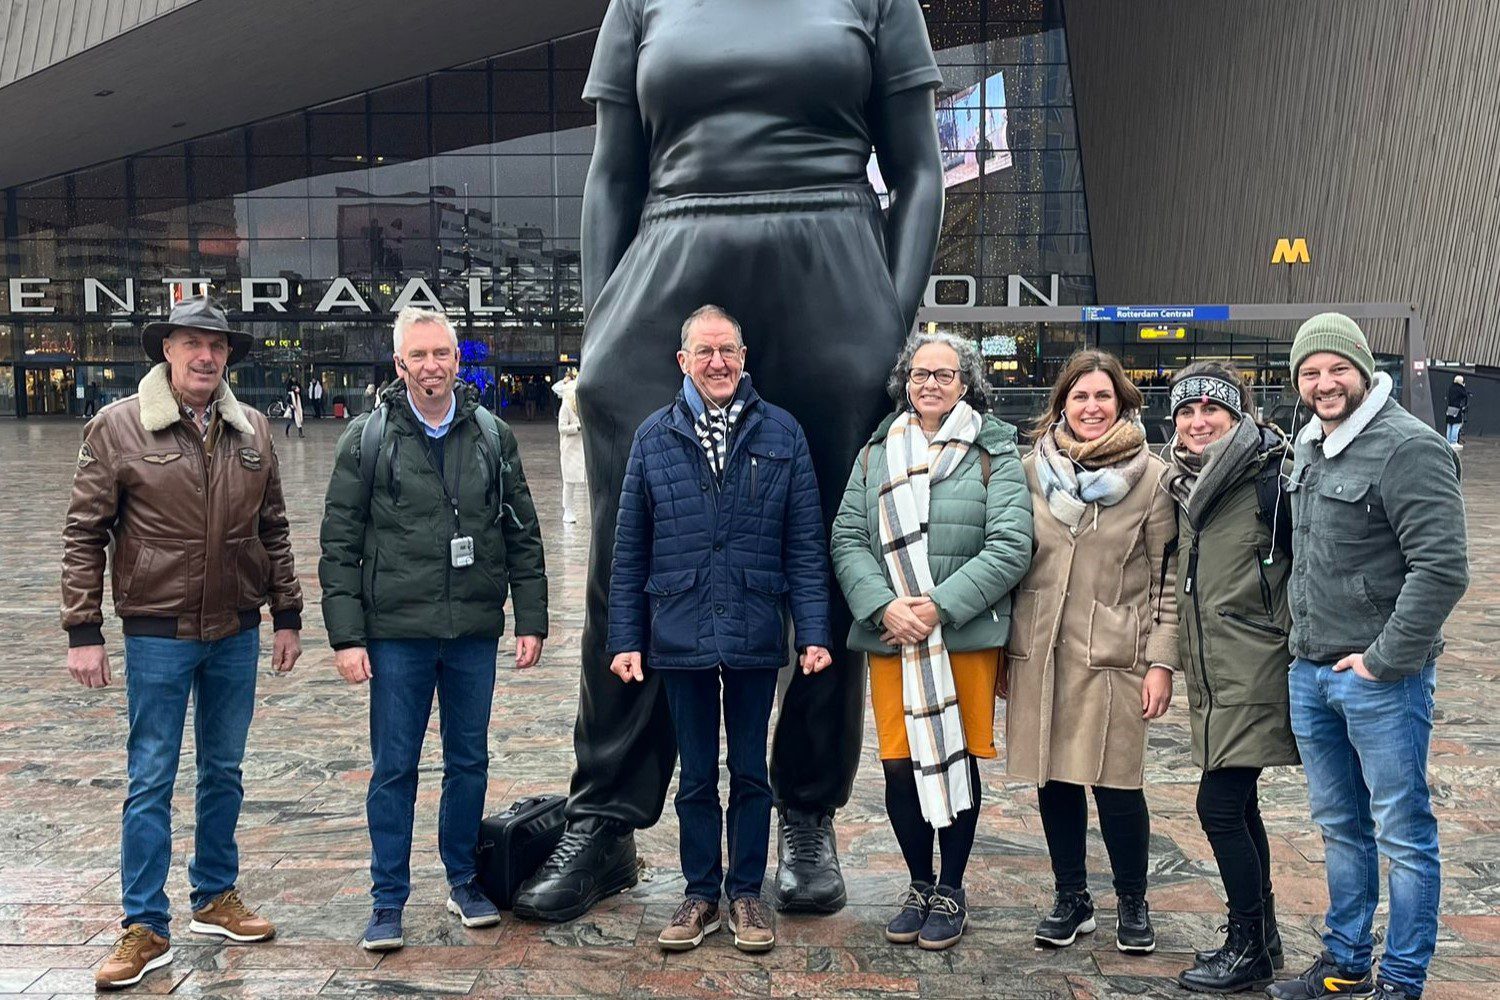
35	296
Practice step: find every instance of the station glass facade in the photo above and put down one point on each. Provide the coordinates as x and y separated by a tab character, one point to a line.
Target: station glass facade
464	188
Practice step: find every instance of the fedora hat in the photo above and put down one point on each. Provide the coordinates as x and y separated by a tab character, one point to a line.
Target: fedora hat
197	313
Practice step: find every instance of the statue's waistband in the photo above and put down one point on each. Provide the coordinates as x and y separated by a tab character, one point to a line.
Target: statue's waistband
819	199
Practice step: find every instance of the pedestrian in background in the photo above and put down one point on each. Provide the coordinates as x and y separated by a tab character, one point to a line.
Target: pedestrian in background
1457	412
570	447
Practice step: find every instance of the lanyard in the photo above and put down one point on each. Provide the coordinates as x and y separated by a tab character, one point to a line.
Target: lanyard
458	469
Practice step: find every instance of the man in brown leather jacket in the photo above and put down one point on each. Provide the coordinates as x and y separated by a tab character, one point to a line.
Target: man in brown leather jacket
183	481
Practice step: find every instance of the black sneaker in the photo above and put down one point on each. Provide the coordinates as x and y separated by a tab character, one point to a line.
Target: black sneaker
595	858
1134	934
808	878
1324	978
946	920
1387	990
906	926
1072	914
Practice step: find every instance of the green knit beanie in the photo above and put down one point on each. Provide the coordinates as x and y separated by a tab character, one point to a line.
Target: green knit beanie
1337	333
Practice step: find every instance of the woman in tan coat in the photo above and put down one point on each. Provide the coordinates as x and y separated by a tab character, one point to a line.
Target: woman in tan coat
1093	640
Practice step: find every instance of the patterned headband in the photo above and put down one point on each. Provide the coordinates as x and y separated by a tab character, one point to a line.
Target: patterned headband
1209	388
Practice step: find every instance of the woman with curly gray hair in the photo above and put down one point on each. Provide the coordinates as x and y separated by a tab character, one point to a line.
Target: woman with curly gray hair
933	533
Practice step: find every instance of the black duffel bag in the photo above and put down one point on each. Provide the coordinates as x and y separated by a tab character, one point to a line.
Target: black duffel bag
514	843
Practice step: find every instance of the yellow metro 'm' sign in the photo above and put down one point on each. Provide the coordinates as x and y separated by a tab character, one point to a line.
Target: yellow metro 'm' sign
1290	252
1163	333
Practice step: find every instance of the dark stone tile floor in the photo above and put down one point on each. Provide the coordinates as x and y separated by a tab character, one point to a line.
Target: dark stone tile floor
62	776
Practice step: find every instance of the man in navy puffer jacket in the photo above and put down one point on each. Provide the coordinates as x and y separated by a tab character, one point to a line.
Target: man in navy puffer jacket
719	536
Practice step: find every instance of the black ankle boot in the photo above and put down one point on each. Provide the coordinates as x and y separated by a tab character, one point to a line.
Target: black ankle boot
808	878
1242	964
1273	933
1273	936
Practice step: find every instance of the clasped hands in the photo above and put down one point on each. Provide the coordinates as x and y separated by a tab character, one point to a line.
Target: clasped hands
908	620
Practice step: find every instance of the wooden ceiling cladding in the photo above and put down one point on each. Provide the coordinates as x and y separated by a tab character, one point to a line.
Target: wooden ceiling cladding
34	34
1211	128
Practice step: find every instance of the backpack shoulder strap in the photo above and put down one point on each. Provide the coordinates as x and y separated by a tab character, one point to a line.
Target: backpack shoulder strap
370	438
1274	505
489	437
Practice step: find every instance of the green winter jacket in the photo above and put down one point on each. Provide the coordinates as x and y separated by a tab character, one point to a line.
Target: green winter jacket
386	571
1233	623
978	546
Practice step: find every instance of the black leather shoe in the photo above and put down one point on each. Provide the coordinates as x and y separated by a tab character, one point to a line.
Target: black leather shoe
1134	934
1242	964
595	858
808	879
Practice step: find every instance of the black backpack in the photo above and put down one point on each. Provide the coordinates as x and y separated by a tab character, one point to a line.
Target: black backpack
372	437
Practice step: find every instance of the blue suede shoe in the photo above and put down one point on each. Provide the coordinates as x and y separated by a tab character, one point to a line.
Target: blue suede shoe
947	919
383	932
907	925
471	906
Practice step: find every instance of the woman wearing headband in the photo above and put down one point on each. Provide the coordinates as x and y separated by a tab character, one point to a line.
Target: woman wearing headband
1234	557
1093	640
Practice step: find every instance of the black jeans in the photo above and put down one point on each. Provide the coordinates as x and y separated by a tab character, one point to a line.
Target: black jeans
1229	810
1123	820
694	699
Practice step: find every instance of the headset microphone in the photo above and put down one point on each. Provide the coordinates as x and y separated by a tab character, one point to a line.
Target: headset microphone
402	363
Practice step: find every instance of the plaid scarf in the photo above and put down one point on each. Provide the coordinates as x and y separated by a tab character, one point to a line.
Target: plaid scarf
934	728
714	426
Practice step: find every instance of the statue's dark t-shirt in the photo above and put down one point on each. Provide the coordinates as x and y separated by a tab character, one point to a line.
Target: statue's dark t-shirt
758	95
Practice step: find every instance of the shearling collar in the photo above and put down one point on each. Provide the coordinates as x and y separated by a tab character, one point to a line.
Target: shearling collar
1344	434
160	410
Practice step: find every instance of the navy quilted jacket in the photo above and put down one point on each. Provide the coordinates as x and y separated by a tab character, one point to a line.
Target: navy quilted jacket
706	572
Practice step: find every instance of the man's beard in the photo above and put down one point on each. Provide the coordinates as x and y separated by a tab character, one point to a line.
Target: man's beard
1352	400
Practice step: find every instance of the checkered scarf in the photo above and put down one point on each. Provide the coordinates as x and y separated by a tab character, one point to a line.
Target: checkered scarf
715	426
934	728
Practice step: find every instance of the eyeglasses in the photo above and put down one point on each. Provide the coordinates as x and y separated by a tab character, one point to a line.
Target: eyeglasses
703	354
943	376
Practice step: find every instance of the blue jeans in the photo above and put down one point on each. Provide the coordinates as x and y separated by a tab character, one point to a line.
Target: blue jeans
159	676
1364	746
694	699
1453	430
404	674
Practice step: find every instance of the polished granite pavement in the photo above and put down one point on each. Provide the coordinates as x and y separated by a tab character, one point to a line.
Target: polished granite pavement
303	846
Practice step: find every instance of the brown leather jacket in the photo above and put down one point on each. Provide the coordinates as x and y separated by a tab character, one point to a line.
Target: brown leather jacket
199	528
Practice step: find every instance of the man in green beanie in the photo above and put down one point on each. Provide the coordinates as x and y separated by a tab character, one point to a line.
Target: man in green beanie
1380	559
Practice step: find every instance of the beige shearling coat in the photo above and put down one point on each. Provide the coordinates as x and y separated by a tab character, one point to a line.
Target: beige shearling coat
1095	611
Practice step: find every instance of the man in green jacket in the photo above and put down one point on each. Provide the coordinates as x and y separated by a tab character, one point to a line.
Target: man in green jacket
1380	557
428	525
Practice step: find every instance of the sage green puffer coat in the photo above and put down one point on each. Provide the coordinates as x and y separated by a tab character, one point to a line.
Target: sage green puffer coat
1233	625
978	545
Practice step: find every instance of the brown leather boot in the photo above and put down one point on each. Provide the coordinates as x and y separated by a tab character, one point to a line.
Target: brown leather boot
227	916
139	950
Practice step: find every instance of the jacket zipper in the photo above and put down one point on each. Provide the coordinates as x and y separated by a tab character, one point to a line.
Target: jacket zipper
205	475
1265	585
1208	690
754	468
1252	623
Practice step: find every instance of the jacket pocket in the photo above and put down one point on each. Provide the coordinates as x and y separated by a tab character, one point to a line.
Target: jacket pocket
765	621
1114	636
1343	510
768	465
674	611
157	582
370	574
1022	625
252	573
